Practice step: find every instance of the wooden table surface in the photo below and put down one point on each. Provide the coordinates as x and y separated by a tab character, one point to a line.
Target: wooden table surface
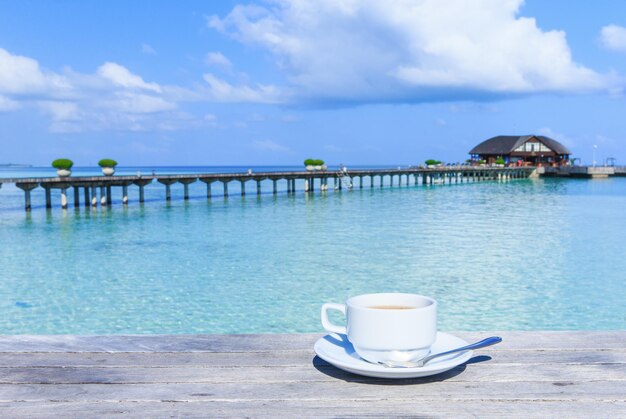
530	374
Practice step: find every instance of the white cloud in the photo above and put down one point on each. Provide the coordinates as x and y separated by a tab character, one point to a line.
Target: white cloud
409	50
112	98
217	59
121	76
147	49
269	145
222	91
613	37
19	74
7	104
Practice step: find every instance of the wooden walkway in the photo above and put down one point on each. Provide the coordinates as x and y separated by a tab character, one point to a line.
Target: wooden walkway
531	374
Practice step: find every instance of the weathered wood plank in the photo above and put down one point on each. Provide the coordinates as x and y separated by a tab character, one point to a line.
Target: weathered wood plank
247	343
485	372
322	409
547	374
328	391
278	358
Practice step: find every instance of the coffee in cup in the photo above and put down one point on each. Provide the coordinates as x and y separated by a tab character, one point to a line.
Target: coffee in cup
387	327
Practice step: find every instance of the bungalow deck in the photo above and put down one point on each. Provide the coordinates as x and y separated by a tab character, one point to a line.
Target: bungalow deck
531	374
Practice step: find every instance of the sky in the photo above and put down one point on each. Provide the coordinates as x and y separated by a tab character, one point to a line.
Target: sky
272	82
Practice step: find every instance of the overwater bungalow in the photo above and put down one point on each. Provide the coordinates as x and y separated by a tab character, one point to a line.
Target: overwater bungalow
522	150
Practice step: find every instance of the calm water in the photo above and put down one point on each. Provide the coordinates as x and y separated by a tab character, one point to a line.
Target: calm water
523	255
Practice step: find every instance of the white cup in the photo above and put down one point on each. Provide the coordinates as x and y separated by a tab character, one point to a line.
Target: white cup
387	334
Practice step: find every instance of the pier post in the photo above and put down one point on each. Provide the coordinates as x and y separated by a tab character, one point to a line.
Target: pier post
186	183
141	194
94	196
125	194
258	187
48	198
335	186
274	187
208	187
64	198
390	180
381	180
87	198
371	181
225	183
360	182
26	187
76	197
312	184
109	195
415	179
243	187
167	182
340	183
103	197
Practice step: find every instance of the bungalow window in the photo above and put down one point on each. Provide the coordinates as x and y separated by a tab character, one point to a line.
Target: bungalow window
530	147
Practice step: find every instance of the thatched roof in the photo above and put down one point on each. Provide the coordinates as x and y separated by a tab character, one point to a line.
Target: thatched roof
505	144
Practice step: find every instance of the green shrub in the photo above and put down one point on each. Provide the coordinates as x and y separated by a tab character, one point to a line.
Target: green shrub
432	162
63	164
313	162
107	163
499	160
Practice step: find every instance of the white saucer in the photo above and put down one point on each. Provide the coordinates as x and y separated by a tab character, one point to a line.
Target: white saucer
338	351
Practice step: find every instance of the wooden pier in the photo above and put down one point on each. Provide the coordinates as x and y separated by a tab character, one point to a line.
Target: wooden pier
98	190
530	374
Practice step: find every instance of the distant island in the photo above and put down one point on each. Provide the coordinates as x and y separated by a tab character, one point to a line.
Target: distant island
15	165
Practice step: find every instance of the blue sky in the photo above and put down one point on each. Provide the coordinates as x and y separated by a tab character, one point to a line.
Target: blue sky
277	81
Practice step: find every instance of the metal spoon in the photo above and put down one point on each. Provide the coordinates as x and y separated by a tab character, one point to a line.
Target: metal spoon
416	364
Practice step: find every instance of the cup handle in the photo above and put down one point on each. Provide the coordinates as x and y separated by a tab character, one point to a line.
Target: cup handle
326	323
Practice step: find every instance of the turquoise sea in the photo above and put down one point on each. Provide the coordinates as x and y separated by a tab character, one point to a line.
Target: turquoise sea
521	255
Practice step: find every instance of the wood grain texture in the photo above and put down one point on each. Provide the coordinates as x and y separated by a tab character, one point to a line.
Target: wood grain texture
531	374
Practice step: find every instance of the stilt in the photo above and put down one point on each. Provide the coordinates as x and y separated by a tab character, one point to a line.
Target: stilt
109	195
87	198
64	198
26	187
94	196
168	192
125	195
312	184
48	198
360	182
225	188
103	197
76	197
274	187
258	187
371	182
390	181
243	187
208	190
381	180
141	194
186	191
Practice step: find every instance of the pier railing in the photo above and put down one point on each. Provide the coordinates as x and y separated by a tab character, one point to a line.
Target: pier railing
91	185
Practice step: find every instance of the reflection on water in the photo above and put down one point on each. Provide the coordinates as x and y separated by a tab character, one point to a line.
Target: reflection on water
529	254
